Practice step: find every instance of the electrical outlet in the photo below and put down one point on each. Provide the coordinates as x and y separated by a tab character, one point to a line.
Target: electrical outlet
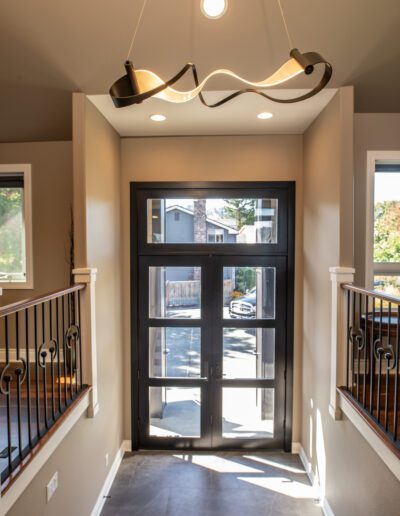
52	486
106	457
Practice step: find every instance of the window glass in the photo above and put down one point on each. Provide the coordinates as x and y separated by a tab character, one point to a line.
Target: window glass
249	293
212	221
247	413
12	231
387	217
175	411
174	352
387	228
174	292
249	353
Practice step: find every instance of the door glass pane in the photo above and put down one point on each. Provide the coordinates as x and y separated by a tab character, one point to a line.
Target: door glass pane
247	413
249	293
249	353
174	411
212	221
174	292
174	352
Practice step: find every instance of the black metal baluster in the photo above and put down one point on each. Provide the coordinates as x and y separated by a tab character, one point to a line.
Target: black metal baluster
18	374
71	371
36	372
43	355
378	407
387	356
358	345
7	381
28	377
52	354
80	341
352	344
365	350
59	353
65	352
396	378
348	340
372	360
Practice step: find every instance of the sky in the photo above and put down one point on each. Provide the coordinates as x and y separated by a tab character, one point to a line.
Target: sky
387	186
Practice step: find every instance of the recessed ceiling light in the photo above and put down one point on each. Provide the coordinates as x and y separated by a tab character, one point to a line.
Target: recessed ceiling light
158	118
213	8
265	115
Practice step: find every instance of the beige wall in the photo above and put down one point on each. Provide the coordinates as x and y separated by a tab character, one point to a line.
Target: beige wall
80	459
355	480
51	207
215	158
372	132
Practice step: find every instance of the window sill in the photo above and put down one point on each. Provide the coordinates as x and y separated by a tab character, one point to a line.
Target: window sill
16	286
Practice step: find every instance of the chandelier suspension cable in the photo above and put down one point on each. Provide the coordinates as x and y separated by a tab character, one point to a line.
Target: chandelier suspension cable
136	29
285	25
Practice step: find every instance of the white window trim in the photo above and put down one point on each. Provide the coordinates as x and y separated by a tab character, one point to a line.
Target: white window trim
26	170
372	158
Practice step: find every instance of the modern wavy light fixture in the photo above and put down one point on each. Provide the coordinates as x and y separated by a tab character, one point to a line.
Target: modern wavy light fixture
139	85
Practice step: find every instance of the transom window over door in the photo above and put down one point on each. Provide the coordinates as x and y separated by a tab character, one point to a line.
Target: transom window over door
212	315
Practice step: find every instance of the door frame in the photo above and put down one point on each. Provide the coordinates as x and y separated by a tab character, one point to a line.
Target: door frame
135	228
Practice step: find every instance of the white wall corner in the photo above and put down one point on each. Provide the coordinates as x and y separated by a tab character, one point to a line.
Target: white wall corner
326	508
339	276
88	333
296	447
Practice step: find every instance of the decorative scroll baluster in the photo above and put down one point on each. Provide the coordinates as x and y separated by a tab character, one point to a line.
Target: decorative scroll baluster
39	328
36	372
58	354
373	362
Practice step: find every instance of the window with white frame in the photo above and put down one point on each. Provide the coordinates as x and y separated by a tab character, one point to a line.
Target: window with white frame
215	236
15	227
385	267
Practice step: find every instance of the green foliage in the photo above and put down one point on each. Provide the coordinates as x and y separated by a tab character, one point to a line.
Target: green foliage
245	279
242	210
11	228
387	232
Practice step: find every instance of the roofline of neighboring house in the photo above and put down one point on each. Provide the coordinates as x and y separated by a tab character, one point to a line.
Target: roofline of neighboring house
230	230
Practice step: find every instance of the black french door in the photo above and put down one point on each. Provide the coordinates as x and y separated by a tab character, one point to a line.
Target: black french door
212	316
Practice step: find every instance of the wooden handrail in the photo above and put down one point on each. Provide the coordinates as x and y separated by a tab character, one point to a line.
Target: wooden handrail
372	293
27	303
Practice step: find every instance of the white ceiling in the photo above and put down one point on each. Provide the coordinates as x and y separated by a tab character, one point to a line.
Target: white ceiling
238	116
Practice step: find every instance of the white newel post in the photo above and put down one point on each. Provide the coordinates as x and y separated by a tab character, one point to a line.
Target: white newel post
339	275
88	333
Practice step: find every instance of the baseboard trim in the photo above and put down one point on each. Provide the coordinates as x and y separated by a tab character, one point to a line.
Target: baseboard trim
125	447
326	508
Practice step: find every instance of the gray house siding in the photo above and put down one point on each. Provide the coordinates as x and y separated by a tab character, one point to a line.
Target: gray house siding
180	230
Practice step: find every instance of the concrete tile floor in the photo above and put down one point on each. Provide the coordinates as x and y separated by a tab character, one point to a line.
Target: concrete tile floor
206	484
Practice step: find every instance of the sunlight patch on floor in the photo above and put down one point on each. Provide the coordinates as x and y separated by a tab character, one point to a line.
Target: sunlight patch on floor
275	464
218	464
282	485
